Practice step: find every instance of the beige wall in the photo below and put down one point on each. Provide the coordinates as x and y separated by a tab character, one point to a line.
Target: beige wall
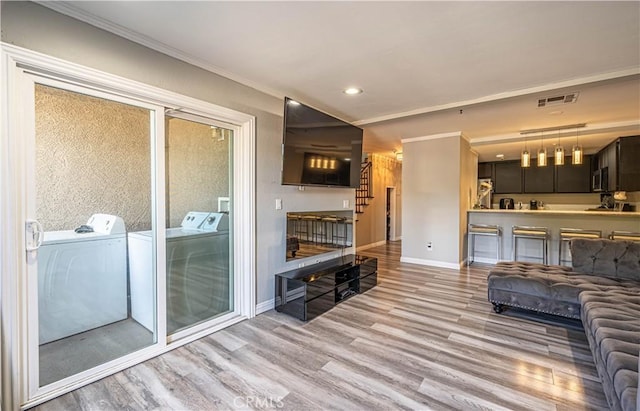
92	156
371	225
197	159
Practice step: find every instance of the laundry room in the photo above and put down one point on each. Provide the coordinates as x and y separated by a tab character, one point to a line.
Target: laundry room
93	194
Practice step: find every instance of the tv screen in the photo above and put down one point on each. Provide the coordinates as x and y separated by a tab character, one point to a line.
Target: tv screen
319	149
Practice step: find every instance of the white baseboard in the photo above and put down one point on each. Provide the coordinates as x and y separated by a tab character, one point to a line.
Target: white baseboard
432	263
372	245
265	306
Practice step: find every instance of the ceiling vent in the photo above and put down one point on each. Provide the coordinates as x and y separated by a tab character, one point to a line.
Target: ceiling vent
557	100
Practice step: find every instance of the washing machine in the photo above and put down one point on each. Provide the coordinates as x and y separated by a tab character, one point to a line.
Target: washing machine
197	271
82	278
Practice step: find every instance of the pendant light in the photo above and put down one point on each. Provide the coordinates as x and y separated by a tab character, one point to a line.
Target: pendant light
542	153
576	152
525	157
559	153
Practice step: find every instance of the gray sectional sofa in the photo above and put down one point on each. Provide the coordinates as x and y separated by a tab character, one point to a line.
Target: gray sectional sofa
602	289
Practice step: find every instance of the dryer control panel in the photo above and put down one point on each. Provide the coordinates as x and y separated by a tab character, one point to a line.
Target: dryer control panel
216	222
205	221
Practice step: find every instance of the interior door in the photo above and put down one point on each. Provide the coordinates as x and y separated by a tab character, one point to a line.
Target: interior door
90	184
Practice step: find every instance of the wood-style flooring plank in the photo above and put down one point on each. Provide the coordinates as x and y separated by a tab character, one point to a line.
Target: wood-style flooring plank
425	339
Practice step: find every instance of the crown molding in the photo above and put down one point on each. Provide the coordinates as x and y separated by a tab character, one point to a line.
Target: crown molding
434	137
501	96
68	9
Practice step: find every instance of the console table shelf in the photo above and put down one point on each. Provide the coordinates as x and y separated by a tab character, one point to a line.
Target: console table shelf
310	291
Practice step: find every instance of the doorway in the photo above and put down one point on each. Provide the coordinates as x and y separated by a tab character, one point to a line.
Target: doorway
390	214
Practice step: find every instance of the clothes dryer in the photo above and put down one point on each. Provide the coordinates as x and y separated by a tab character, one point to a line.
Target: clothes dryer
82	278
197	266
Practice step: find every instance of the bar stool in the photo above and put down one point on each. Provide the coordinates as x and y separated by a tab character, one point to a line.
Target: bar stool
319	230
336	236
307	222
485	230
624	235
533	233
567	234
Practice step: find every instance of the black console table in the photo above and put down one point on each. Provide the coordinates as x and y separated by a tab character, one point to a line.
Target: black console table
310	291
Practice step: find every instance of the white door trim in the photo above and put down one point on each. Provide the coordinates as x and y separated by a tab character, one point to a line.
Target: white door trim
392	212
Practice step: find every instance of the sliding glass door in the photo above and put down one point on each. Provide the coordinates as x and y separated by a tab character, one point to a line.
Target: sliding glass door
198	215
124	233
90	188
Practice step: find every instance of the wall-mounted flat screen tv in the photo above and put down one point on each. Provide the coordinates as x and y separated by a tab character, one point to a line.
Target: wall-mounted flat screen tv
319	149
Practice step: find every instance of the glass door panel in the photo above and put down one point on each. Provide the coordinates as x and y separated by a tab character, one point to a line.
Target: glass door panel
198	236
93	191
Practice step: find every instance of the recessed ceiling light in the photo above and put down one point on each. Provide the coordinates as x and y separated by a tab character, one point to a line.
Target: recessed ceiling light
352	91
294	103
500	156
556	113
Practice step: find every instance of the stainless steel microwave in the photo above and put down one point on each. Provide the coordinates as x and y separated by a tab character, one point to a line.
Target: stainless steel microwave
600	179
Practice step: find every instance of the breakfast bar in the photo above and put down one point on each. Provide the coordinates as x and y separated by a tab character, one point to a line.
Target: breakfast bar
554	220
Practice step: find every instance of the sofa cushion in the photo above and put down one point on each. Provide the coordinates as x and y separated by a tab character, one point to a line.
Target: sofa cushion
611	319
601	257
549	281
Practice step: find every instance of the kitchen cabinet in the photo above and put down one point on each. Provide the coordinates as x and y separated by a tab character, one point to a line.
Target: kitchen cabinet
573	178
507	177
622	160
538	179
485	170
628	167
510	178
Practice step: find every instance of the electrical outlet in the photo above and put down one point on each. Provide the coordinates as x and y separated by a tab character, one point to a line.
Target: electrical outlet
345	203
429	246
300	265
278	204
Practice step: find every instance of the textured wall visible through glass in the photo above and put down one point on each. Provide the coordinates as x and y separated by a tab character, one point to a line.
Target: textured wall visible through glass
92	156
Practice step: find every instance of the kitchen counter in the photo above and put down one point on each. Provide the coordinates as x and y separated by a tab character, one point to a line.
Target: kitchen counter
633	214
553	220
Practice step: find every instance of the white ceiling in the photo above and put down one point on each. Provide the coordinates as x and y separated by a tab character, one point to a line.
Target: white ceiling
419	63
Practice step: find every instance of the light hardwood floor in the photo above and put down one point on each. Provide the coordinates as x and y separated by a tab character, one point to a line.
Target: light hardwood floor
424	338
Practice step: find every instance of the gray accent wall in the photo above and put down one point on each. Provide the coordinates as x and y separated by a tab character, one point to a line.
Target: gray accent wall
37	28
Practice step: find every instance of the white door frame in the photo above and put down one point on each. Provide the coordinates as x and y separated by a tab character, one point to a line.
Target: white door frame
15	64
392	212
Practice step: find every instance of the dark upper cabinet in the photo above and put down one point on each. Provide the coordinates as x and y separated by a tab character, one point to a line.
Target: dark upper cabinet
628	167
622	160
538	179
485	170
507	177
510	178
611	162
572	178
